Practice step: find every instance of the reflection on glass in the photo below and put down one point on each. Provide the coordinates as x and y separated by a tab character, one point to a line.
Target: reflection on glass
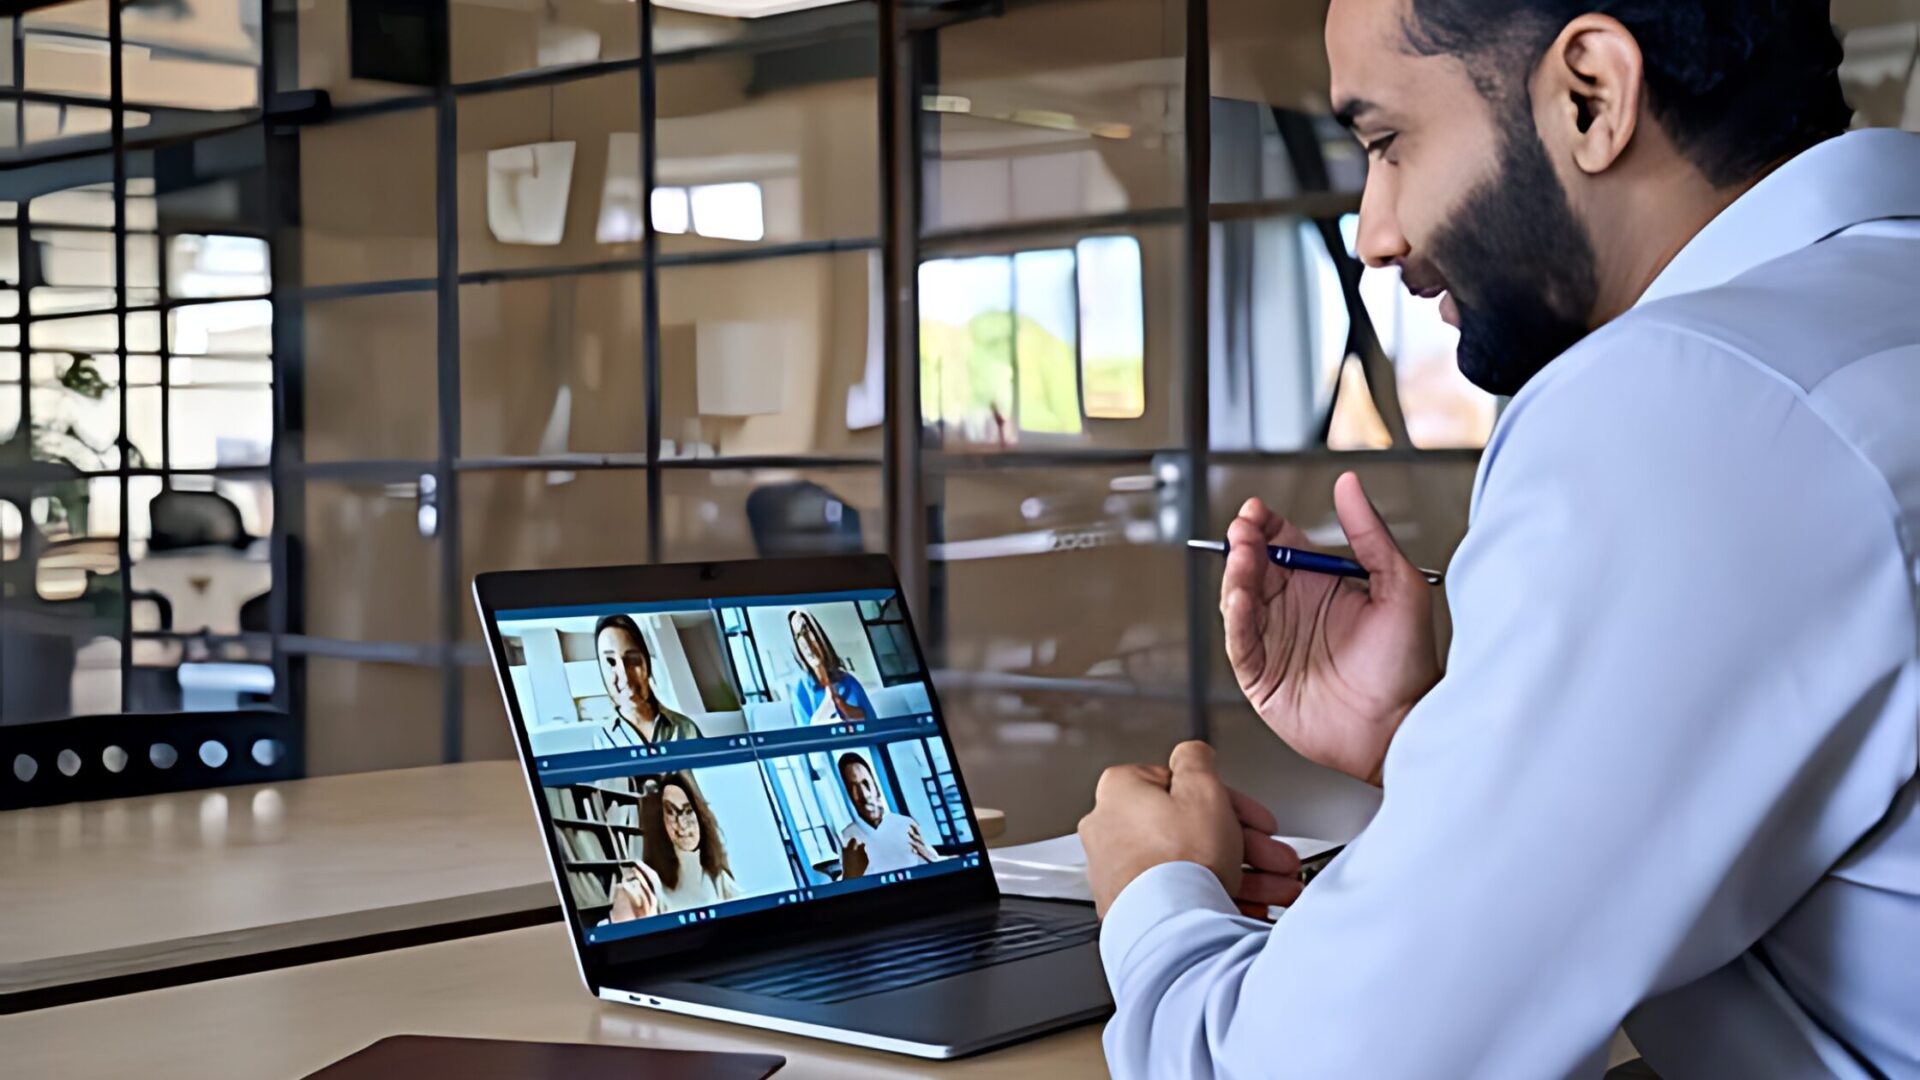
371	576
62	47
523	520
235	328
520	152
761	357
770	513
24	126
366	195
198	562
527	190
79	259
343	735
1280	331
222	412
64	593
1881	71
94	685
966	350
192	54
54	301
1024	130
552	366
779	149
92	205
360	342
495	38
1263	152
1113	344
728	211
1046	341
76	410
1033	342
1442	408
12	527
1064	554
671	213
1356	423
327	56
1046	659
619	221
217	266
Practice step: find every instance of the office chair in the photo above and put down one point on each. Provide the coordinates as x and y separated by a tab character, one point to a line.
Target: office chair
802	518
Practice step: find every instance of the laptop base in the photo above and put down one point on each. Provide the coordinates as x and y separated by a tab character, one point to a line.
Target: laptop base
965	1013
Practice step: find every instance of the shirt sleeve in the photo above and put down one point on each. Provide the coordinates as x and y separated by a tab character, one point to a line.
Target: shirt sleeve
855	692
1680	689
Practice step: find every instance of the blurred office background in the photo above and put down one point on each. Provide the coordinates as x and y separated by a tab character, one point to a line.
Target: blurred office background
312	309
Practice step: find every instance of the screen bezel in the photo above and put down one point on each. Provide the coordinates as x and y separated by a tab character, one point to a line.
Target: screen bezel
825	916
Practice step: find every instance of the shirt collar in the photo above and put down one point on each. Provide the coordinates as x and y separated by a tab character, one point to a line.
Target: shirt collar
1855	178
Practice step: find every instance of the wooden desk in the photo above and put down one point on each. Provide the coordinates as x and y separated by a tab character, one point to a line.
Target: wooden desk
131	887
515	985
127	894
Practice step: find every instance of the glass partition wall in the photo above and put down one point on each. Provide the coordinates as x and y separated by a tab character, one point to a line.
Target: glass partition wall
137	391
315	309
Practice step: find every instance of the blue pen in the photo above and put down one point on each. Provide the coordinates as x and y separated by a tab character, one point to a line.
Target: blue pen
1311	561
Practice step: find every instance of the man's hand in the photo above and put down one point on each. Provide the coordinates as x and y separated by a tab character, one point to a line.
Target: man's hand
918	844
1332	665
1272	876
853	860
1144	816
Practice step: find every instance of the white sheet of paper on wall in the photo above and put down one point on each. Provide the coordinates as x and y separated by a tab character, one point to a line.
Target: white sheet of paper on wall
527	188
741	366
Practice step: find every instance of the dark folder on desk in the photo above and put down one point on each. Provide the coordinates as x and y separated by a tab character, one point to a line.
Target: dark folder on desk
411	1056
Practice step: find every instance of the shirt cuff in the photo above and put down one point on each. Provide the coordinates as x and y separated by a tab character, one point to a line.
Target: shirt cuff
1152	898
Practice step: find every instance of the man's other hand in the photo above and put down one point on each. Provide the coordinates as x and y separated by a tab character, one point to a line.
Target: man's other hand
1333	666
1144	816
853	860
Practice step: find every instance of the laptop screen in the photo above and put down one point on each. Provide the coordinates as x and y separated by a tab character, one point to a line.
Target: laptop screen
702	759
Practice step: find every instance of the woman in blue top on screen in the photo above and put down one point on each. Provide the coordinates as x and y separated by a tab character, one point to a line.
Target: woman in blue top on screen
626	670
826	692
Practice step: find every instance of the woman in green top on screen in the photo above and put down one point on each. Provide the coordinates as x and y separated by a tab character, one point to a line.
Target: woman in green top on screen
626	670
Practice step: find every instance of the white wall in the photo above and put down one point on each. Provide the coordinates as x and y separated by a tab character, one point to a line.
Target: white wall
910	768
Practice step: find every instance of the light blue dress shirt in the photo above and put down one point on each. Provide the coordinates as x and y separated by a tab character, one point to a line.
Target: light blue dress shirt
1669	777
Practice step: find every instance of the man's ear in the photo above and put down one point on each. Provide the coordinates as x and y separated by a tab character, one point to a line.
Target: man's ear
1587	92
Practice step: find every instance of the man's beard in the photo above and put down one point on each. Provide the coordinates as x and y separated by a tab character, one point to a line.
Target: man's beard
1519	264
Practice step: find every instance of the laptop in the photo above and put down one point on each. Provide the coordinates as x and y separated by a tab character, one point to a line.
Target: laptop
754	812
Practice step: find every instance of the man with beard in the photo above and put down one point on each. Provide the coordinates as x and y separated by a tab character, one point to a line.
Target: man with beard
1666	775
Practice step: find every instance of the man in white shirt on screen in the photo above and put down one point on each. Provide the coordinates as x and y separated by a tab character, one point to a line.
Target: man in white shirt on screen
1666	773
876	841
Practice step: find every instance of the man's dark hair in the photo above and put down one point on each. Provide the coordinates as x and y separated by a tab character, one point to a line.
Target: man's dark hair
1737	84
850	759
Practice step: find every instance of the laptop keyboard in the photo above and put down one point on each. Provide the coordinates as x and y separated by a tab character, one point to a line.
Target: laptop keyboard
894	961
